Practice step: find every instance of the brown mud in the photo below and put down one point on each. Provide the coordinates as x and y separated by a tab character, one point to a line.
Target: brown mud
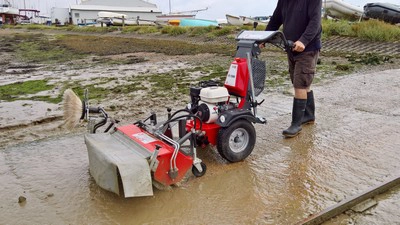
352	146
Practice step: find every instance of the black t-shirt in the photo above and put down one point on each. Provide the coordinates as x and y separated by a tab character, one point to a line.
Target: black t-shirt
301	20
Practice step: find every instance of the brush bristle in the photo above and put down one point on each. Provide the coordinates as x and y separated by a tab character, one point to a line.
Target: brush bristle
72	106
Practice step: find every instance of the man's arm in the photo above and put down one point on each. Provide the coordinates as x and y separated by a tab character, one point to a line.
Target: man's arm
276	20
314	24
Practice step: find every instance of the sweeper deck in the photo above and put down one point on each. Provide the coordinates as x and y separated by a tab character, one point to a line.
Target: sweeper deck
129	160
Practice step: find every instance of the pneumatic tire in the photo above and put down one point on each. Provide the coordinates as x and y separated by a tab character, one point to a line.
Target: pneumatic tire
237	141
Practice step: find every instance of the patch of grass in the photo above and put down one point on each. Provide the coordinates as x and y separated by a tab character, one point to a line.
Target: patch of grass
344	67
174	30
333	27
38	48
148	30
37	52
199	31
214	72
372	30
368	59
141	29
223	31
130	29
17	91
90	29
375	30
102	46
276	81
120	61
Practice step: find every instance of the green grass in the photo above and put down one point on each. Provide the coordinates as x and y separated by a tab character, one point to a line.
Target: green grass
214	72
148	30
38	48
333	28
199	31
224	31
19	90
174	30
41	52
372	30
375	30
90	29
101	46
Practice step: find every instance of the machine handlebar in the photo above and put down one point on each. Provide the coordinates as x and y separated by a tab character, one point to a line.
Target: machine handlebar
276	38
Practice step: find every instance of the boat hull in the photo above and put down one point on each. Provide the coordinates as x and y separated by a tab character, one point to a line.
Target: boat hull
340	9
197	23
9	11
233	20
384	11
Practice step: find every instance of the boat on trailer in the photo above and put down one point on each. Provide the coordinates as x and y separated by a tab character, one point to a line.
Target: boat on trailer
234	20
387	12
244	20
341	9
251	20
118	19
8	14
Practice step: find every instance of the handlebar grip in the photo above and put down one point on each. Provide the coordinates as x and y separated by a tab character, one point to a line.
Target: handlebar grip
290	44
94	109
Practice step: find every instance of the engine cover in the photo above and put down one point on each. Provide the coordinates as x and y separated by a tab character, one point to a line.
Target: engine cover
214	94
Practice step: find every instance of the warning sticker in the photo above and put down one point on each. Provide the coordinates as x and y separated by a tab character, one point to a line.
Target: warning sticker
231	77
144	138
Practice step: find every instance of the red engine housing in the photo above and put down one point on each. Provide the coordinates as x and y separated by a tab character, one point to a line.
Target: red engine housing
210	129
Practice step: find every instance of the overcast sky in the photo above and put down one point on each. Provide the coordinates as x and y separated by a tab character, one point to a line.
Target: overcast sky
216	8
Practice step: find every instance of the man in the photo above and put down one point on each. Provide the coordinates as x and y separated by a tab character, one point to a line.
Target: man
301	20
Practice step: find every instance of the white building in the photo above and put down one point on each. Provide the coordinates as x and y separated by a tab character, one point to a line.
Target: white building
87	11
60	16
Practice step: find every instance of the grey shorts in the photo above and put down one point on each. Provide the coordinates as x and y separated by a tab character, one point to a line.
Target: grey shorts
302	69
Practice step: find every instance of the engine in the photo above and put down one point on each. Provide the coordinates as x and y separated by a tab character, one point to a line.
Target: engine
209	102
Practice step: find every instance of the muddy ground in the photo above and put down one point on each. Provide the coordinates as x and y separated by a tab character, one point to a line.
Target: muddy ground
351	147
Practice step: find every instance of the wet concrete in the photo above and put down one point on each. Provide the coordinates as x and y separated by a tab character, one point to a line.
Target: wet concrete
353	146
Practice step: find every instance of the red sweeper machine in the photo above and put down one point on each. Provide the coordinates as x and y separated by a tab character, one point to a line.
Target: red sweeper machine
128	160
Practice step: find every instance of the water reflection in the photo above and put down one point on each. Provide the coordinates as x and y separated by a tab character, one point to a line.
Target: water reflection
300	186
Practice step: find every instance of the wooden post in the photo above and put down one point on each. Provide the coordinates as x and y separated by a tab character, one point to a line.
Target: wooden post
123	21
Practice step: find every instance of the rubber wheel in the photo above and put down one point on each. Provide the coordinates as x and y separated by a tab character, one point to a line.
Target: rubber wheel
197	173
237	141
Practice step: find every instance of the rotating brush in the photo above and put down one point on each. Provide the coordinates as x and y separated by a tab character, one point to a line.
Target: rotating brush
74	109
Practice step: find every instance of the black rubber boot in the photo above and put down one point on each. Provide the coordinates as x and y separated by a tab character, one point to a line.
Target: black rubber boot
299	106
309	114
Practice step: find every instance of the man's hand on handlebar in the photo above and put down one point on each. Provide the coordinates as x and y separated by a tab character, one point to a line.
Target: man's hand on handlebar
298	46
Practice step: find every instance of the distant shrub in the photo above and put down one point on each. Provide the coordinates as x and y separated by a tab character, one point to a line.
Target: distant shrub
198	31
334	27
223	31
147	29
174	30
375	30
130	29
372	30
